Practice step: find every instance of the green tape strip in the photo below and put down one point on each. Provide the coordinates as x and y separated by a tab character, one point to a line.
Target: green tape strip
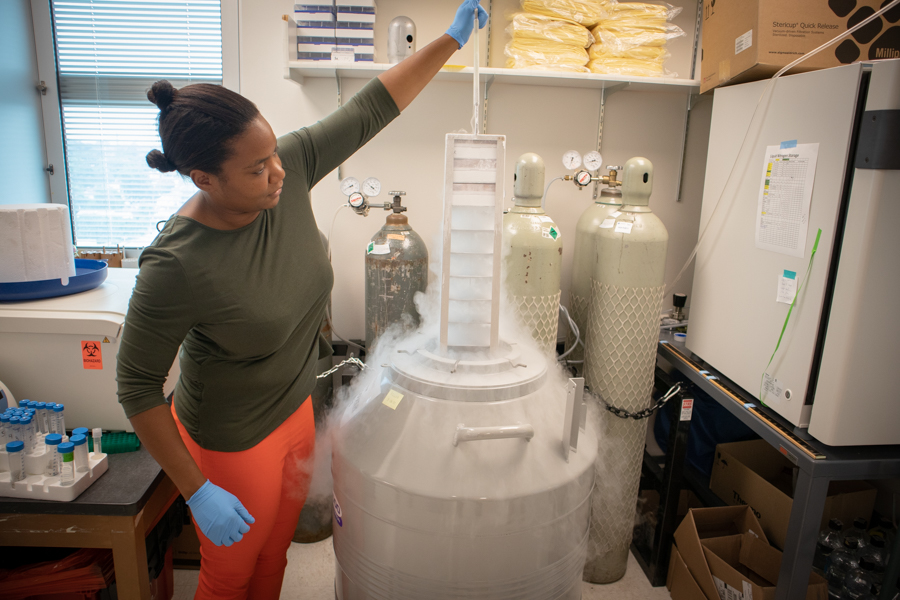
788	317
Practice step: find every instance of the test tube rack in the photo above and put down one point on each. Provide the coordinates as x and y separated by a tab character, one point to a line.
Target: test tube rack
39	486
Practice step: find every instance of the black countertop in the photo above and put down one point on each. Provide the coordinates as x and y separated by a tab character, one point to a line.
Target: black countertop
122	491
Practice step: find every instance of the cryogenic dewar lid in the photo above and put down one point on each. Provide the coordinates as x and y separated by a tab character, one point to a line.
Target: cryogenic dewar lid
469	376
100	311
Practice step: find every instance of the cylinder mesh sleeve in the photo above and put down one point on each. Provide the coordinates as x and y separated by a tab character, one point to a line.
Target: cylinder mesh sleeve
620	354
540	315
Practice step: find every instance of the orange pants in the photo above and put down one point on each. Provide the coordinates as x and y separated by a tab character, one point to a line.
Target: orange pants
271	480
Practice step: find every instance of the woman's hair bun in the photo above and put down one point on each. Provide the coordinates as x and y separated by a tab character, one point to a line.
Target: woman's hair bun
161	94
157	160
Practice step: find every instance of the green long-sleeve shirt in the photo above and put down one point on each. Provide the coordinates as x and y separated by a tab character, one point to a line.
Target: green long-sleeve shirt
245	305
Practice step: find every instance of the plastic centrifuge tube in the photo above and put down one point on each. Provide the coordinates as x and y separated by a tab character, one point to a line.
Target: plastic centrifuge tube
53	440
15	429
5	437
98	436
60	419
28	434
42	418
81	452
16	454
66	452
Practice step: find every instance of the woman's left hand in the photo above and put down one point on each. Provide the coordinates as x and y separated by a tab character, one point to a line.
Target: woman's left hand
464	21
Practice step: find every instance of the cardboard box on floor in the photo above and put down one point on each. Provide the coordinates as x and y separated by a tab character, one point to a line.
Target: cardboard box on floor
728	544
748	40
755	474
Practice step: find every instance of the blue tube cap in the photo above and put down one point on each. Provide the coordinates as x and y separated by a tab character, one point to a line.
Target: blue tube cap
80	431
53	439
23	403
4	418
41	405
65	448
59	408
32	404
26	420
15	420
16	446
77	439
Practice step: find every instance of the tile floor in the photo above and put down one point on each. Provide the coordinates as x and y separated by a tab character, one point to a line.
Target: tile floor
310	576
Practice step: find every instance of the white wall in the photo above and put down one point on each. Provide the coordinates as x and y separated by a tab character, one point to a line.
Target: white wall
408	155
22	156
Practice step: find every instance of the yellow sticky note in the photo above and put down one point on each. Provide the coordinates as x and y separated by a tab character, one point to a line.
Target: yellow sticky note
392	399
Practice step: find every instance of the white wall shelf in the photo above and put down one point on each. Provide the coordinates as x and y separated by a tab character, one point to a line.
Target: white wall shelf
300	70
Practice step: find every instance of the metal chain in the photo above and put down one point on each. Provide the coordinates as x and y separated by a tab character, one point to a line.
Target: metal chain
349	361
641	414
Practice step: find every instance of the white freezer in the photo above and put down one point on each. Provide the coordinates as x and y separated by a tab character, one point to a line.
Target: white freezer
63	350
835	363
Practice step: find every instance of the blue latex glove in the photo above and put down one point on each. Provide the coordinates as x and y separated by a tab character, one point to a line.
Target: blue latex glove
220	515
465	20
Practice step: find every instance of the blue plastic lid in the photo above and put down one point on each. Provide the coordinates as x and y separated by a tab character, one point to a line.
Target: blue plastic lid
4	418
41	405
59	408
80	431
23	403
77	439
65	448
16	446
26	420
53	439
29	411
15	420
32	404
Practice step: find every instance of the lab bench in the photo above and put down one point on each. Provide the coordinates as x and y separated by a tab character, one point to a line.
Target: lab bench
116	512
817	465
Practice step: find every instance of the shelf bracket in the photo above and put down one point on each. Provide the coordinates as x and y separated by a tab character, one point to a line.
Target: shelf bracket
691	102
605	92
487	88
340	103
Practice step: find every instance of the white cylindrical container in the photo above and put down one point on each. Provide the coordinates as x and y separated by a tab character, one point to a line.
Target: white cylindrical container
16	456
81	452
53	461
66	452
593	220
627	284
532	255
401	39
428	503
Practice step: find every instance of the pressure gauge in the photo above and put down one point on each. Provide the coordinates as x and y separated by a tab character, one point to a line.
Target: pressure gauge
371	187
593	160
349	186
572	160
357	200
583	178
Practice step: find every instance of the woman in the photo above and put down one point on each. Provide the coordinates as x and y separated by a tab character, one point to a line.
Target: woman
239	279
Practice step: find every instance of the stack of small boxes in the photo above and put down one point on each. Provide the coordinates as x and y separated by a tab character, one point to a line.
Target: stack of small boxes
342	30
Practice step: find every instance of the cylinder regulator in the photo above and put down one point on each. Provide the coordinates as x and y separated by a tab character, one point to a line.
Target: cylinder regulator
533	255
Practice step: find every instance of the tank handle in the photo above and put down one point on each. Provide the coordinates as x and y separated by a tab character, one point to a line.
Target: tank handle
496	432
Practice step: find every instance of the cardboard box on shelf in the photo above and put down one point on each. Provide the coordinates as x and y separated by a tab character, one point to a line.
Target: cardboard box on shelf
748	40
706	523
680	583
753	473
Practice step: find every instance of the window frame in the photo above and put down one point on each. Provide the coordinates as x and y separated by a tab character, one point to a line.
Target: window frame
51	106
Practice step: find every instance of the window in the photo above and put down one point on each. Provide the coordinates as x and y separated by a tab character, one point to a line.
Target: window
108	54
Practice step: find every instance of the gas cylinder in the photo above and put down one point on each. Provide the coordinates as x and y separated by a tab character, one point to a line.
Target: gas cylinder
592	221
532	250
396	268
627	286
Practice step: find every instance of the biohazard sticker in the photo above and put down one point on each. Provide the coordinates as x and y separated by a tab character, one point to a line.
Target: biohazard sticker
338	514
91	356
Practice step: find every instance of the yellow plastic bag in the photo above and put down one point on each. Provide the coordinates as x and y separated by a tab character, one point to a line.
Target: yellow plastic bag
649	53
628	67
528	53
620	36
584	12
539	27
641	10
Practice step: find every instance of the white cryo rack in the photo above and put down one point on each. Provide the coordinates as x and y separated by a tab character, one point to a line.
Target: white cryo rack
473	208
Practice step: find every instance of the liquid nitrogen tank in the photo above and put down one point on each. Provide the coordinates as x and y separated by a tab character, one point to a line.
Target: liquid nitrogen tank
454	470
532	250
591	222
396	268
627	286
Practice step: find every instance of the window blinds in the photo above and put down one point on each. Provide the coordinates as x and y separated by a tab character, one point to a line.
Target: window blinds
109	53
